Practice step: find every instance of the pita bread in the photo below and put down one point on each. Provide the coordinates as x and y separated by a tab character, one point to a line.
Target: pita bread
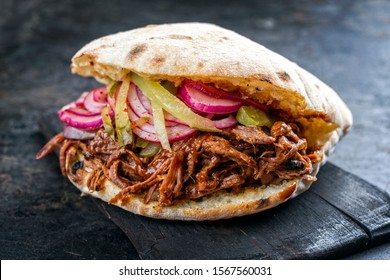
219	205
214	55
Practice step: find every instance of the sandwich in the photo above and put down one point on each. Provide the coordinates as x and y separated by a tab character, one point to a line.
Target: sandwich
195	122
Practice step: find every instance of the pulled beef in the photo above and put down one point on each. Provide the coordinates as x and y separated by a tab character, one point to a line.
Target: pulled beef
289	158
102	143
172	182
215	145
199	165
252	135
50	146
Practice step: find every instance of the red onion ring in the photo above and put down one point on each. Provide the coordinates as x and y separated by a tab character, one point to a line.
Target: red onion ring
79	111
175	133
84	113
135	103
212	91
91	104
227	122
217	93
80	122
78	134
100	95
199	101
138	101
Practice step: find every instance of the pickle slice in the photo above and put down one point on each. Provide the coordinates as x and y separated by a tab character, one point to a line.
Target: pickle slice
150	150
250	116
122	121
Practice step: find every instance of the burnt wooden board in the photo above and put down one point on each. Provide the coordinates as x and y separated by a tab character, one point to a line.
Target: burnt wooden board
364	203
340	215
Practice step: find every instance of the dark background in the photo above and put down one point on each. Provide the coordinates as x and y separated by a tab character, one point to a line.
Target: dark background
345	43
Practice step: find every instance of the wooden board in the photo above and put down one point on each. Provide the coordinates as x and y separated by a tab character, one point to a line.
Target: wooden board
340	215
368	206
295	230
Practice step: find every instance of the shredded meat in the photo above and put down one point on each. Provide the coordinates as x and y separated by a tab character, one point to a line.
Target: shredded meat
172	181
196	166
288	160
95	179
252	135
202	178
50	146
102	144
216	145
69	150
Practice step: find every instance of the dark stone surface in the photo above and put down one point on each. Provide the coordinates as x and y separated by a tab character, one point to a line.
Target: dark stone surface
346	43
42	216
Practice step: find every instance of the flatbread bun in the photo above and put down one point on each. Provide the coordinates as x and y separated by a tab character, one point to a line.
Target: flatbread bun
213	55
220	205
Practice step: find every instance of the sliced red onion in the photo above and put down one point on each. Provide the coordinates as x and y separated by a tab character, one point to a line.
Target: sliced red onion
227	122
85	113
100	94
175	133
212	91
136	104
68	106
134	118
147	131
143	99
78	134
179	132
172	123
81	122
81	112
201	102
151	137
92	105
169	119
217	93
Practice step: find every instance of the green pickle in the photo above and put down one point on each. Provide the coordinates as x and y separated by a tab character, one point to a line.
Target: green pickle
107	123
150	150
159	125
250	116
112	87
122	122
141	143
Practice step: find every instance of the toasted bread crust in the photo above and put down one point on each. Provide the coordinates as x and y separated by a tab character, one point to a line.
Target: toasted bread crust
211	54
220	205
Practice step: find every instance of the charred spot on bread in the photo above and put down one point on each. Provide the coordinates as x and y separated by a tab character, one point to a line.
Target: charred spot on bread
284	76
158	60
264	202
136	51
